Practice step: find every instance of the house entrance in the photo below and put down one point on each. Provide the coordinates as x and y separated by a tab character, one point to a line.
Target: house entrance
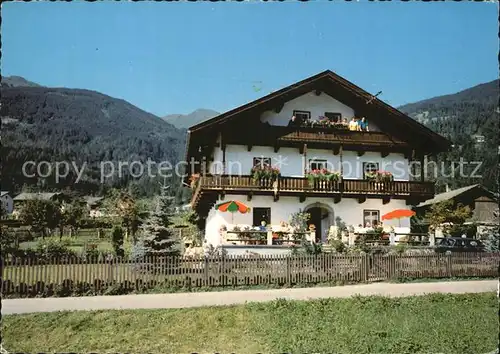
322	217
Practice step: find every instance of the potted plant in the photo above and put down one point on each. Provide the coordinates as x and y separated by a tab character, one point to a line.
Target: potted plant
379	176
371	176
320	177
265	173
384	176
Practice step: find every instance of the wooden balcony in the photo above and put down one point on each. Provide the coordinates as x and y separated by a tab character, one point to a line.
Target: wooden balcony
413	192
316	137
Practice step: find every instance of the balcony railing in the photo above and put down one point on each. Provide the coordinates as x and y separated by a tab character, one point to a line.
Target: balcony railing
301	184
270	134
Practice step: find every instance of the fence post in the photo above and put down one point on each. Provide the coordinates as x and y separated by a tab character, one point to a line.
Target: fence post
288	271
269	237
352	238
222	272
449	265
392	238
206	268
110	269
364	268
432	239
392	266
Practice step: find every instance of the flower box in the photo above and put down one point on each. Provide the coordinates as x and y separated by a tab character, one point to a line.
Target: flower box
323	175
324	122
265	172
379	176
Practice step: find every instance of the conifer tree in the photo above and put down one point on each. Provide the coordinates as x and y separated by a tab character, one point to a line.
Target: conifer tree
157	236
492	239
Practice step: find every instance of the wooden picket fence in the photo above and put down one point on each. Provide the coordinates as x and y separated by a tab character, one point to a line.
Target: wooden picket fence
33	276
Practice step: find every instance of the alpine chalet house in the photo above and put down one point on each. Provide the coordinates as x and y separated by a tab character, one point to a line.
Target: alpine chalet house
293	150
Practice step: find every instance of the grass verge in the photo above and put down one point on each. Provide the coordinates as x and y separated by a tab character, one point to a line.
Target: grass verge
355	325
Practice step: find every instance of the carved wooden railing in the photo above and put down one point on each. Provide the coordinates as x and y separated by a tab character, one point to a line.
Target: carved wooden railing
269	133
299	184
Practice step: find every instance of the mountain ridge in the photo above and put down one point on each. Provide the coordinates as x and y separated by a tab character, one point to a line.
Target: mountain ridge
187	120
17	81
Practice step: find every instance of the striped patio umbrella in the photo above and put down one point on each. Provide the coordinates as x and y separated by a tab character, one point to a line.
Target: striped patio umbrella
233	206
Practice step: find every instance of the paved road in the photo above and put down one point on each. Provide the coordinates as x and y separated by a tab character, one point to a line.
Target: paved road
183	300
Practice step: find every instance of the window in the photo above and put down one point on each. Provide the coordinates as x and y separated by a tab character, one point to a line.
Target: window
370	167
317	164
261	214
261	161
334	116
302	116
371	217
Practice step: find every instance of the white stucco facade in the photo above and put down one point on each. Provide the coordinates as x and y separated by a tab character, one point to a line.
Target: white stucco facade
348	209
237	160
310	102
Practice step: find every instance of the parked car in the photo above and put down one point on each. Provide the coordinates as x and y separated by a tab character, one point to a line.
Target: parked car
459	244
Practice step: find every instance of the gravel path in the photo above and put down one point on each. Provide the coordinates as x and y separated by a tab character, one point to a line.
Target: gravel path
183	300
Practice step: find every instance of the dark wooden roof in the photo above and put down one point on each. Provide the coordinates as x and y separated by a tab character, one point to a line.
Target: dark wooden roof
464	195
386	117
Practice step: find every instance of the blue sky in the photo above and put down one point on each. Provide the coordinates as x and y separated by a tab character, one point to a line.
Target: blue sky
175	57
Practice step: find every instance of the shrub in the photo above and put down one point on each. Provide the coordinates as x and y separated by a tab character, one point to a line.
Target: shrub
117	241
210	251
491	238
312	248
338	246
400	248
95	223
8	242
51	248
458	230
91	253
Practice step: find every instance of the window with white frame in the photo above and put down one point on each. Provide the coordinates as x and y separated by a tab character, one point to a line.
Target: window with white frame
315	164
261	162
333	116
370	167
371	218
302	116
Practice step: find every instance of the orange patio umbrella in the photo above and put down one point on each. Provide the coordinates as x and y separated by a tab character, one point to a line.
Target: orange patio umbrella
233	206
398	214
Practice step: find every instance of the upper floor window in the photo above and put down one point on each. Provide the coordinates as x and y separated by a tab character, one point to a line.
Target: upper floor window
370	167
315	164
302	116
334	117
261	161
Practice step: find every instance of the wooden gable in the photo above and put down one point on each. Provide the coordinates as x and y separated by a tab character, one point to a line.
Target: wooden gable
395	125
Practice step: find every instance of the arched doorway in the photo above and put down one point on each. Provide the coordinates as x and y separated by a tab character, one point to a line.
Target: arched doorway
321	216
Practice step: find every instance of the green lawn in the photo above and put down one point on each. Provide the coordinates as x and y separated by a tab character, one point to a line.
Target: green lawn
434	323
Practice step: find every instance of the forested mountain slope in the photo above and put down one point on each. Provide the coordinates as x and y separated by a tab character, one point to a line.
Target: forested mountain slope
470	119
61	124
